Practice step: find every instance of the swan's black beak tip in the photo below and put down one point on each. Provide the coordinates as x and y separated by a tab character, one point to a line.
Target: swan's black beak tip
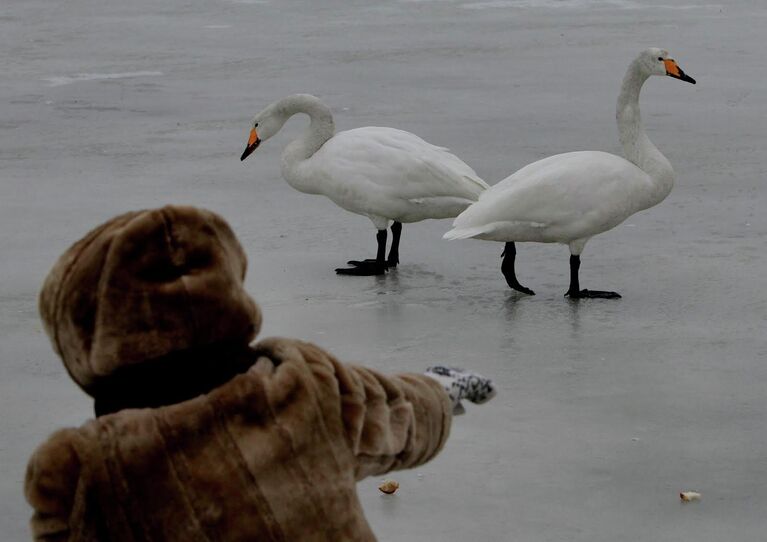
249	149
677	73
673	70
682	77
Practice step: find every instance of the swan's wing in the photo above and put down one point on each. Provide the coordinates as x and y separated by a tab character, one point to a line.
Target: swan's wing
565	191
398	163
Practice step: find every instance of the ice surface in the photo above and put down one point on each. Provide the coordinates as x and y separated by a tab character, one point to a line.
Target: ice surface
58	80
582	4
605	410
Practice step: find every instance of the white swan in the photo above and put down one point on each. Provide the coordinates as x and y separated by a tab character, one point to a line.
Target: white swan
382	173
568	198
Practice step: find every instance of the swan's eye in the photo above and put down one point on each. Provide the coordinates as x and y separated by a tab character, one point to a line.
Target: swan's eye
660	58
255	125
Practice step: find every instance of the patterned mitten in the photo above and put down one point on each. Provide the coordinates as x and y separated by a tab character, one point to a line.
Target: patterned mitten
460	384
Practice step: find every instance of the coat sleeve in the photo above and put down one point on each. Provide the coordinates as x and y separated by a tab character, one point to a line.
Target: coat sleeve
393	422
50	486
389	422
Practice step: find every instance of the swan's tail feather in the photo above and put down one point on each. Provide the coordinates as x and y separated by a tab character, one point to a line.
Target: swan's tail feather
465	233
477	181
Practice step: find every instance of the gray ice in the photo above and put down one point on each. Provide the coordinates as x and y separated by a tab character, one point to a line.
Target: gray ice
605	411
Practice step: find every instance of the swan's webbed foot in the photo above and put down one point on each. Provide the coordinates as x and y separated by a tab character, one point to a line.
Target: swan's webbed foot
518	287
363	268
392	261
575	292
369	261
592	294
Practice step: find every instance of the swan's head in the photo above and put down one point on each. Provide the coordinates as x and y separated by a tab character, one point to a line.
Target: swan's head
267	123
656	61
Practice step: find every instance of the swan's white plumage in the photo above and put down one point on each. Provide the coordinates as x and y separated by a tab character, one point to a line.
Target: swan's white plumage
568	198
561	198
382	173
389	173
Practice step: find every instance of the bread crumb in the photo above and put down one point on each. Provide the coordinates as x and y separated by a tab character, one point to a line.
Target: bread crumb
388	487
688	496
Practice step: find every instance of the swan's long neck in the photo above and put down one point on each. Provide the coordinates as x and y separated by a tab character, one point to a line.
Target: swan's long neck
321	128
636	145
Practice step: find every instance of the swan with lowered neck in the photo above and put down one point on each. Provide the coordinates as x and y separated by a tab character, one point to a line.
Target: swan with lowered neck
382	173
568	198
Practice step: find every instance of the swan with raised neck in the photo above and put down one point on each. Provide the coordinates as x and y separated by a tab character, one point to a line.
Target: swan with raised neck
637	146
568	198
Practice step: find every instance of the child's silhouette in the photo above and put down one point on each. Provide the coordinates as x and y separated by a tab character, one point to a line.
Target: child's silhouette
201	435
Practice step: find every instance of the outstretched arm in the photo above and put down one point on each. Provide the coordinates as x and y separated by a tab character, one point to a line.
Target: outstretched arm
394	422
387	422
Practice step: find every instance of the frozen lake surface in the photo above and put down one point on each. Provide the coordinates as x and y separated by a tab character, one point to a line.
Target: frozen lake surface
606	409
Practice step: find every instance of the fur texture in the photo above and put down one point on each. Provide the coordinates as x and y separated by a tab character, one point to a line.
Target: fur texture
271	454
145	284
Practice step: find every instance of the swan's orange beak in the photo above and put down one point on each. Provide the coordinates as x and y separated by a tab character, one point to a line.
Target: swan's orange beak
253	143
673	70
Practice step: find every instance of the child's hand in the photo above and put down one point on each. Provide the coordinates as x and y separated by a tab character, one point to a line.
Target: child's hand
460	384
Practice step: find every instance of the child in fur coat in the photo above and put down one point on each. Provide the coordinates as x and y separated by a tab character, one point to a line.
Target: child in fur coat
201	435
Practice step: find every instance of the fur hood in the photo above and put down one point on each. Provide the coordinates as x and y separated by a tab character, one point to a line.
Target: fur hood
143	285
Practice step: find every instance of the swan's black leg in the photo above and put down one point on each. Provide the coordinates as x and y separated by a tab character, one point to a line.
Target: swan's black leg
369	267
393	260
575	291
396	230
575	286
509	254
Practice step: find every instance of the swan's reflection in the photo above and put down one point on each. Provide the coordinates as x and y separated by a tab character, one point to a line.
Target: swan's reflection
574	317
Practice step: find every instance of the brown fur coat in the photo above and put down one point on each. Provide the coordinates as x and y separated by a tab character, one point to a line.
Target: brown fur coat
272	454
